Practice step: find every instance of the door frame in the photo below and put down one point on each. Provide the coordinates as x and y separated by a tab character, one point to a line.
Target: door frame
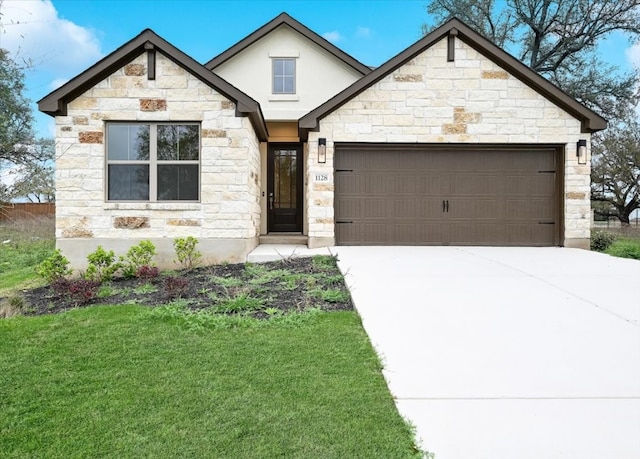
271	148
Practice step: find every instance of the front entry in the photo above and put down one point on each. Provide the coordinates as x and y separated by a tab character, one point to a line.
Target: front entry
284	188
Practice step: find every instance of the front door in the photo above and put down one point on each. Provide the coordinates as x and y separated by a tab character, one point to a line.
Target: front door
284	188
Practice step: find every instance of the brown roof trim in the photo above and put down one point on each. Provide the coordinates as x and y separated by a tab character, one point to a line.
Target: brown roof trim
590	120
284	18
55	103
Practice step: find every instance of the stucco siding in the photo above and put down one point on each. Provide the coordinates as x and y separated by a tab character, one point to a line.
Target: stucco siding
319	75
430	100
229	163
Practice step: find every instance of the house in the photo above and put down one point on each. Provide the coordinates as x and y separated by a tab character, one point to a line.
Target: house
286	137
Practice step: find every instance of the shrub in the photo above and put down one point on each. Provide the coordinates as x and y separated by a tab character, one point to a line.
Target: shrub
79	291
138	256
187	255
53	268
601	240
175	287
102	265
146	272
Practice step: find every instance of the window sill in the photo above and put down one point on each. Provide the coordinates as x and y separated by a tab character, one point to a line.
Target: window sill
283	97
152	206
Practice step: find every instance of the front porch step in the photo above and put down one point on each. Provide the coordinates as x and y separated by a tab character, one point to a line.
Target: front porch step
284	238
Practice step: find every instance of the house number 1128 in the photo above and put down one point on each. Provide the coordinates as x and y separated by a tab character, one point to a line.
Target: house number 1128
321	178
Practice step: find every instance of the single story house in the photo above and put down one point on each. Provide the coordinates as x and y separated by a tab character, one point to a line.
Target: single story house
286	138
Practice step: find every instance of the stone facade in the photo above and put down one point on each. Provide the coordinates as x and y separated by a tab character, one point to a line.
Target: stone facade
430	100
227	218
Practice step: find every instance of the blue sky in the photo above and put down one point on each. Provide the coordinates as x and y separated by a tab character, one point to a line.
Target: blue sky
64	37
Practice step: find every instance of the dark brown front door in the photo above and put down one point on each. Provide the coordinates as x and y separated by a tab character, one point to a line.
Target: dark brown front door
284	188
447	195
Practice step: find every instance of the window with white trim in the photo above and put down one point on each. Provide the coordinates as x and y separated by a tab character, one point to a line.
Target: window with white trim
153	162
284	76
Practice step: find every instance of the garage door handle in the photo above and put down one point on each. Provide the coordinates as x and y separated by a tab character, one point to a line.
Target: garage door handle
546	223
344	221
445	205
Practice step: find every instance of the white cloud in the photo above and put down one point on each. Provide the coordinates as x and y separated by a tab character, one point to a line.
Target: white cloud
33	30
333	36
633	55
363	32
55	84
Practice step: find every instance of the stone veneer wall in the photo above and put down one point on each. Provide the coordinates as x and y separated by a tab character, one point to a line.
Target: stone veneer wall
227	219
430	100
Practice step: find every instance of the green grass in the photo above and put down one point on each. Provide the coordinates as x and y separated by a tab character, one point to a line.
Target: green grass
29	242
121	382
625	248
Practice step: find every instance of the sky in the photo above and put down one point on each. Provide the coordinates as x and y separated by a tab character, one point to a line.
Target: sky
62	38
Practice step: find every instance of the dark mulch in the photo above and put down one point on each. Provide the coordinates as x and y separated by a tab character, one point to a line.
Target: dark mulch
288	285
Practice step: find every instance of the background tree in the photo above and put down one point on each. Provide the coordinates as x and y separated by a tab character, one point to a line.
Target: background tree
615	170
16	133
34	180
557	39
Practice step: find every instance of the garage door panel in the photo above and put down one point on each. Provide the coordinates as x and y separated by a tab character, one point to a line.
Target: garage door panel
467	196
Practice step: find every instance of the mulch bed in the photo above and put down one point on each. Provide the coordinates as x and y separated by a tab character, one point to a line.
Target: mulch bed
288	285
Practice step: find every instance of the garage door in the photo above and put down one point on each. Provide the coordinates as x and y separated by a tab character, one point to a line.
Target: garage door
458	195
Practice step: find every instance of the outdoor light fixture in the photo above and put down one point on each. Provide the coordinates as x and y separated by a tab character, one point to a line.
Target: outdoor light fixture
322	150
582	151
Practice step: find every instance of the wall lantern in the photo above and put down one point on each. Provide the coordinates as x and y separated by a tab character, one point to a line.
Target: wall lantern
582	151
322	150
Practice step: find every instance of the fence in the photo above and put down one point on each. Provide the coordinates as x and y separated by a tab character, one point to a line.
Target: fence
9	211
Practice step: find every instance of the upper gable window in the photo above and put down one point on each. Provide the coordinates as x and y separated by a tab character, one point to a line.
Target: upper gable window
284	76
153	162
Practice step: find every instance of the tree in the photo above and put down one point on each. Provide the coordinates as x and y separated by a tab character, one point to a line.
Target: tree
35	179
558	39
16	133
615	170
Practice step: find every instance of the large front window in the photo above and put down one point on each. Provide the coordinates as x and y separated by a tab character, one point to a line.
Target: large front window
153	162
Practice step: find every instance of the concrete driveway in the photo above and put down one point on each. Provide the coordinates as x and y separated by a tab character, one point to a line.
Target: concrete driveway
506	353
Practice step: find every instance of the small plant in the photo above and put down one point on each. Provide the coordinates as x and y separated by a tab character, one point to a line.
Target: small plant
601	240
175	287
102	265
105	291
227	282
13	306
137	257
324	262
144	289
147	272
79	291
239	303
331	295
187	255
53	268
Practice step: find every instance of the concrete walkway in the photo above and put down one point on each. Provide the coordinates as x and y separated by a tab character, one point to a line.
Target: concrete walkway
506	353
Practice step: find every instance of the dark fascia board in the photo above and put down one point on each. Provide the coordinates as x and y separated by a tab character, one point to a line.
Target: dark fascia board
590	121
284	18
55	103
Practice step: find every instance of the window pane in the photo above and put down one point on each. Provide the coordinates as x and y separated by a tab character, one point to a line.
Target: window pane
128	183
178	142
284	76
128	142
178	182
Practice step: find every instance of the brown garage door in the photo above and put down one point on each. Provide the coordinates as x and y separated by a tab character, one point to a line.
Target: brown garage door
458	195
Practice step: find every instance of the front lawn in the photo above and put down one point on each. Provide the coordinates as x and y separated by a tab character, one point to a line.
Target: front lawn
125	382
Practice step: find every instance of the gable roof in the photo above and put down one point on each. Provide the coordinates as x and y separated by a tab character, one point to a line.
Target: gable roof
55	103
285	19
590	120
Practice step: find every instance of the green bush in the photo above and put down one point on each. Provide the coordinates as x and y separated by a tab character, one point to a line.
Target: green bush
625	249
138	256
53	268
187	255
102	265
601	240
